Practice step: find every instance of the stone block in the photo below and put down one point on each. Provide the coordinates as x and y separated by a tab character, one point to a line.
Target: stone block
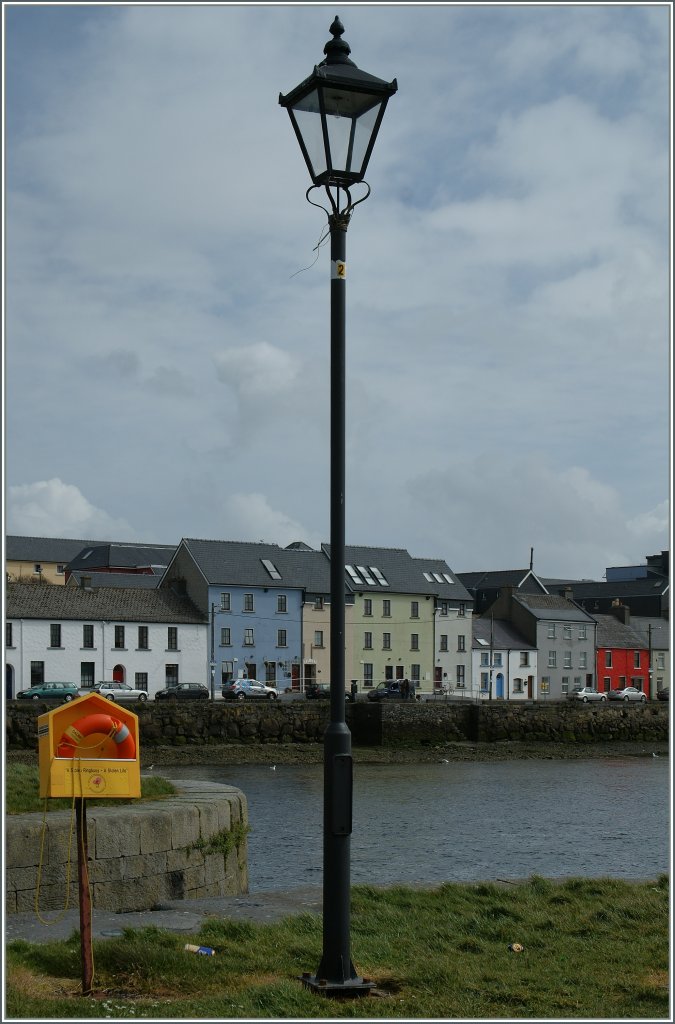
144	865
208	820
118	835
214	867
155	832
52	899
22	842
184	825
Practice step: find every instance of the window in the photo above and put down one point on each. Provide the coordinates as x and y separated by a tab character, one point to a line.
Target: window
55	635
367	673
608	659
565	685
60	569
545	685
249	640
282	603
622	682
415	673
461	643
567	632
8	634
271	568
318	638
281	638
461	611
318	604
225	602
368	641
119	637
567	659
460	675
484	680
386	641
171	675
88	635
248	603
172	638
660	660
367	606
414	609
484	658
366	575
143	638
551	659
414	641
517	685
583	659
636	681
497	659
636	659
608	682
87	674
444	642
551	631
386	607
37	673
577	680
225	636
582	632
443	607
141	681
524	659
37	568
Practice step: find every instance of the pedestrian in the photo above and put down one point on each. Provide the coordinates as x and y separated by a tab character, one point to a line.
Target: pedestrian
405	686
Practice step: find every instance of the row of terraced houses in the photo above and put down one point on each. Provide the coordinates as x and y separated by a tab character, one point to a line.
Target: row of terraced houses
210	611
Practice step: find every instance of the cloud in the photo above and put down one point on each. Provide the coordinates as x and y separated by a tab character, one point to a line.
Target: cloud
251	517
259	370
52	508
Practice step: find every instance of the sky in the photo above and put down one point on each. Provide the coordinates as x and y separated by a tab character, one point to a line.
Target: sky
167	325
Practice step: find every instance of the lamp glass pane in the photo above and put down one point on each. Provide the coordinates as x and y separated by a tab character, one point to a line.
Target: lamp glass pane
307	116
362	137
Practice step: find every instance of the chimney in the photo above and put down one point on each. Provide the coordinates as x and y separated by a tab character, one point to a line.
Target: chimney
621	611
567	593
531	559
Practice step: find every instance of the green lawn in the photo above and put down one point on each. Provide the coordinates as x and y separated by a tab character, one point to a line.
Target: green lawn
592	948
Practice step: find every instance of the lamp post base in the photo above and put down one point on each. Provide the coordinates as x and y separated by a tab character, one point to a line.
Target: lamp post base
353	988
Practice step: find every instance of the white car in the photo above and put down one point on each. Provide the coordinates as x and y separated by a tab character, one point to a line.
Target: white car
586	693
628	693
121	692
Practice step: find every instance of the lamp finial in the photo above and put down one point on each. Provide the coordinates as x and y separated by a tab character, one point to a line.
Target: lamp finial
337	50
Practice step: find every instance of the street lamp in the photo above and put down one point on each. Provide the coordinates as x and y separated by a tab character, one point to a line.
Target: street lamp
336	114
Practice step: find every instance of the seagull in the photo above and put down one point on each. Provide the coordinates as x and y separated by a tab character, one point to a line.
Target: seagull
444	761
273	767
654	755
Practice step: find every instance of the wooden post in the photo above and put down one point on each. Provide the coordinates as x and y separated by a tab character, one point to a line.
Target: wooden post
85	898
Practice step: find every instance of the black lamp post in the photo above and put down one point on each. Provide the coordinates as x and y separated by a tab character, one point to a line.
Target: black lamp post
336	114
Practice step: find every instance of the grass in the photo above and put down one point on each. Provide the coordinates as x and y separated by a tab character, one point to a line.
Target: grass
592	948
22	787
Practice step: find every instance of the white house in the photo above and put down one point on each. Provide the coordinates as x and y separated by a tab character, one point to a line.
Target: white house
504	664
147	638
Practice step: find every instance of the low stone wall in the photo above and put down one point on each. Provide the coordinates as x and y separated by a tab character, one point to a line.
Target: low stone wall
187	846
387	723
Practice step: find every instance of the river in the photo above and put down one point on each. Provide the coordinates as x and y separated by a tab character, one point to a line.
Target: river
431	823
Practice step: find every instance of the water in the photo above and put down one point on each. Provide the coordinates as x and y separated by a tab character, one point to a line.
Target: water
432	823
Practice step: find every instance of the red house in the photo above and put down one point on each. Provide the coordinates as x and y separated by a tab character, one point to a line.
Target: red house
621	656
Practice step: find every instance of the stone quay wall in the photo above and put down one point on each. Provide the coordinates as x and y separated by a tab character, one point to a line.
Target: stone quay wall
187	846
388	723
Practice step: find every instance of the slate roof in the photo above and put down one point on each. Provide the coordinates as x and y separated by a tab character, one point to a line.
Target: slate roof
403	573
550	606
239	563
613	633
660	632
139	580
504	635
122	555
44	549
585	590
496	578
42	601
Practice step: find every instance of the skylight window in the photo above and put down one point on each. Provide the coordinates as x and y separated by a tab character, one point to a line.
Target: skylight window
86	554
448	579
354	575
378	576
482	642
437	576
366	575
271	568
428	577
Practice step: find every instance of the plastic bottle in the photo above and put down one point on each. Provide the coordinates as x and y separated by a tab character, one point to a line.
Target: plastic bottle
202	950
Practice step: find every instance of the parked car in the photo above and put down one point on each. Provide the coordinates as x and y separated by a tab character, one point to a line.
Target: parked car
628	693
663	693
120	691
50	691
248	689
390	689
321	691
184	691
586	693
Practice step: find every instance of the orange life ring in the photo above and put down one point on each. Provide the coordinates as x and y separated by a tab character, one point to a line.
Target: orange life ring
71	742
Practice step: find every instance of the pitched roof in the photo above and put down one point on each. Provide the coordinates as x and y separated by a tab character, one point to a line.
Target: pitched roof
399	573
550	606
584	590
44	549
122	555
44	601
241	563
491	579
504	635
658	635
139	580
614	633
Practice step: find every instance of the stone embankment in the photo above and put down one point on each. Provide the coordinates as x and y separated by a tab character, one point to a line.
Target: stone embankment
387	724
188	846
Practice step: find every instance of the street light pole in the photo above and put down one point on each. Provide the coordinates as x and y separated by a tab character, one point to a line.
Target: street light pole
336	114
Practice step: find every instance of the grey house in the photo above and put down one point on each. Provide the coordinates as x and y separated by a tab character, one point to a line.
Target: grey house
563	633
